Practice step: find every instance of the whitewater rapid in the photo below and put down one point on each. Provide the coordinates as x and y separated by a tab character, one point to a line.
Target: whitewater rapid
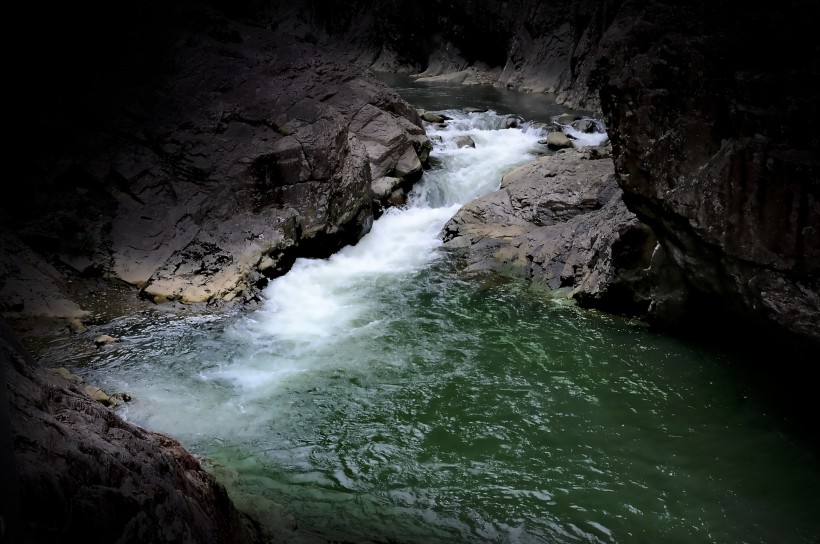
312	315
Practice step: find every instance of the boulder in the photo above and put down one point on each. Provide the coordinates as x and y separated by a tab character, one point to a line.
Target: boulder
558	140
559	221
566	118
513	122
587	126
464	141
432	117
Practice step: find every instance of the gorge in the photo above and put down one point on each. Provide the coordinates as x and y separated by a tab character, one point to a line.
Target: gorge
210	149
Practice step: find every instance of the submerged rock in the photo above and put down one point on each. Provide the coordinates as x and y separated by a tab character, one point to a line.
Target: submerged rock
464	141
104	339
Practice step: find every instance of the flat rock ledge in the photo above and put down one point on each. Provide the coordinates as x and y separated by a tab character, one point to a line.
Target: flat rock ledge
560	222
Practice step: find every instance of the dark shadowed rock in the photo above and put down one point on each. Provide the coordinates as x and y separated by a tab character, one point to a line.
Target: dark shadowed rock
718	153
85	475
199	166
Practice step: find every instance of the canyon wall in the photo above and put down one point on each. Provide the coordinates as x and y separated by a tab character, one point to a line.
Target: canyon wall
192	157
714	144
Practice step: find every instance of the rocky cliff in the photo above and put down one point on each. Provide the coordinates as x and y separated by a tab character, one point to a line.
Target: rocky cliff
714	145
196	159
73	471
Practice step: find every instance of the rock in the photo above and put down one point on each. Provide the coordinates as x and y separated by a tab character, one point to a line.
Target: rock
558	140
81	470
104	339
559	221
732	202
65	374
432	117
566	118
513	122
395	146
99	395
266	263
471	109
384	186
464	141
121	397
587	126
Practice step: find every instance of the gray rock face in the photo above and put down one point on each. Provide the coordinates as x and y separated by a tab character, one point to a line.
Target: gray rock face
226	152
560	221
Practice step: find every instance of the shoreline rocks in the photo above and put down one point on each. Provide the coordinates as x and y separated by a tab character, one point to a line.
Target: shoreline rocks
204	173
560	221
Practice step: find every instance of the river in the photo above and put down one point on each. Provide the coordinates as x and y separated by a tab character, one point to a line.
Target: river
383	398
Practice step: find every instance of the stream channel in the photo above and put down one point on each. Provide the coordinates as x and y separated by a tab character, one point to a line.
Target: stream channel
381	397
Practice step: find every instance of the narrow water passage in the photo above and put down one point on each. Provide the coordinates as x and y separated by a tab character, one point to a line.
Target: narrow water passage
381	398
